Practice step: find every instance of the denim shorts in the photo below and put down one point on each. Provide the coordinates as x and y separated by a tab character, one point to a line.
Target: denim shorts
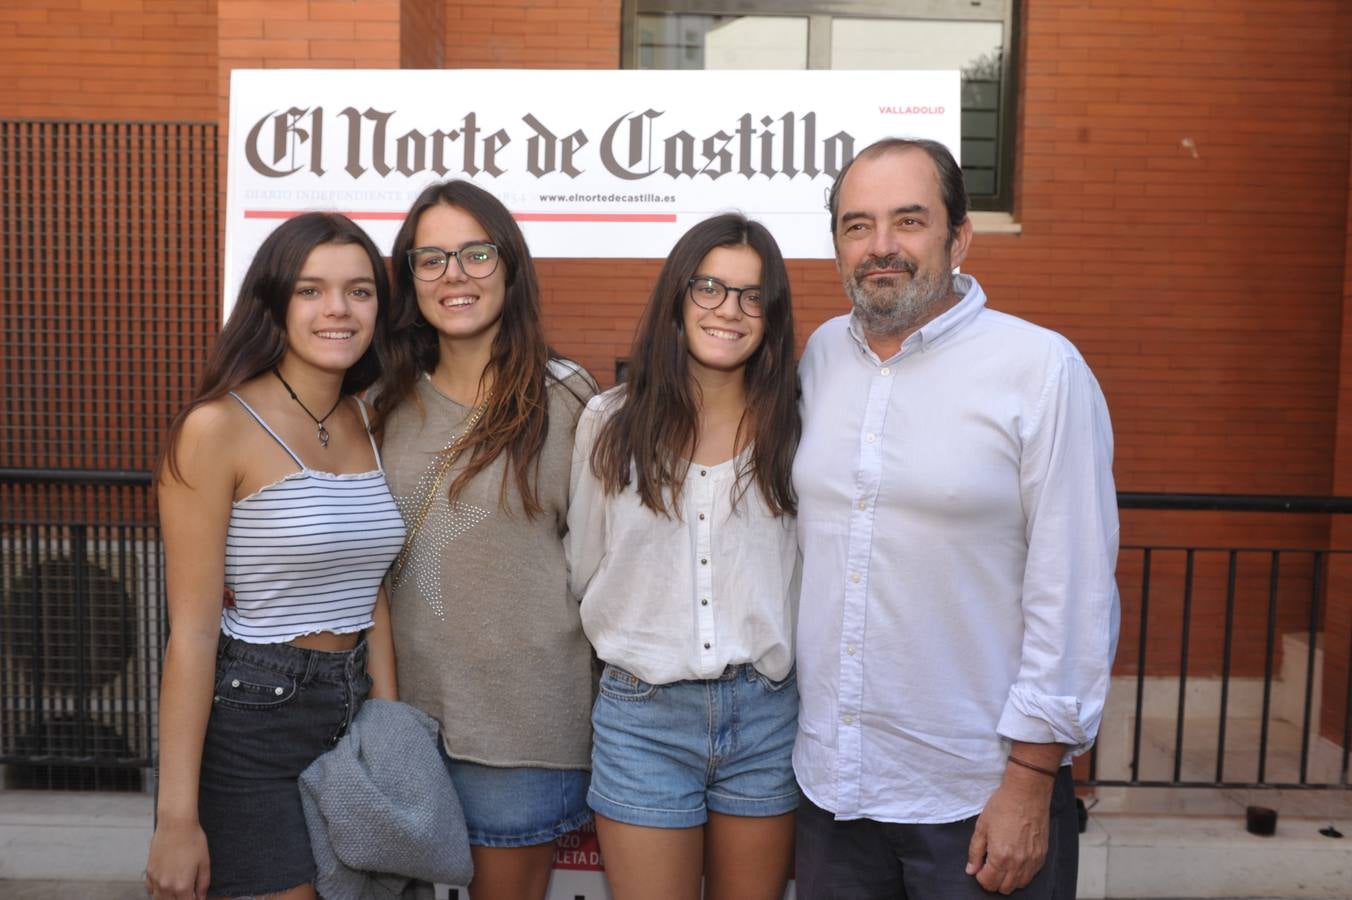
521	806
664	756
276	708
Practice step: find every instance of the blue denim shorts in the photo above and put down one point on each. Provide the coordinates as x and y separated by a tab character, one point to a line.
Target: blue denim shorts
521	806
664	756
276	708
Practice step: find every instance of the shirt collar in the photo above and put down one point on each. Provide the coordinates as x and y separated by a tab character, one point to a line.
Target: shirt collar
937	329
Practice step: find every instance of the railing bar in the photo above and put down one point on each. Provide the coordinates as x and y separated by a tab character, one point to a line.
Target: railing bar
1179	721
1267	664
79	536
129	607
1140	666
1226	651
1347	717
1233	502
1316	588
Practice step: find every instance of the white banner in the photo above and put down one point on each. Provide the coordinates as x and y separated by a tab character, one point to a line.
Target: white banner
593	163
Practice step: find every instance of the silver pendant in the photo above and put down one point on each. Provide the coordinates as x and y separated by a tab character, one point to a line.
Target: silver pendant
323	436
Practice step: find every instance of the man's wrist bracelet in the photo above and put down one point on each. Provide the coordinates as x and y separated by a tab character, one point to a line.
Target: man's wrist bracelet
1050	773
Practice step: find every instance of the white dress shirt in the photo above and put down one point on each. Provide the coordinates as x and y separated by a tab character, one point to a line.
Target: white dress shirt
959	528
670	599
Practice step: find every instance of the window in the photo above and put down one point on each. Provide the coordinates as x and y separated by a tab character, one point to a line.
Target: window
976	37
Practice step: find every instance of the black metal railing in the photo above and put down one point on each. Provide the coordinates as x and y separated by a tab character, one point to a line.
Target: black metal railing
82	629
1199	700
1217	683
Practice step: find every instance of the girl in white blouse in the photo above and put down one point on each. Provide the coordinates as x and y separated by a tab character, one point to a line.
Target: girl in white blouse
682	548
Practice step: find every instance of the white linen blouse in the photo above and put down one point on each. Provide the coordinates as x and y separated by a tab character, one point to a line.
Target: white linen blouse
681	597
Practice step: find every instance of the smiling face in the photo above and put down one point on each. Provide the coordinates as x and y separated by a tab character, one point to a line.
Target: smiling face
331	316
724	338
460	308
892	245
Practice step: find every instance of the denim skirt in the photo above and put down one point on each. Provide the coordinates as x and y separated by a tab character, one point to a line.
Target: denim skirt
276	708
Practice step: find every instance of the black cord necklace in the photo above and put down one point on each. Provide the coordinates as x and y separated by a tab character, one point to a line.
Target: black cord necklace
319	423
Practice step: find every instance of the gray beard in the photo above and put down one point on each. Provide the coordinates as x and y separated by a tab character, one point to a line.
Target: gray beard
886	311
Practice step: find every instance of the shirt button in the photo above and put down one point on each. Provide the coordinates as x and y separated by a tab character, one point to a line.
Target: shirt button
854	576
849	719
885	371
701	517
704	562
703	472
870	437
706	645
863	504
704	601
849	649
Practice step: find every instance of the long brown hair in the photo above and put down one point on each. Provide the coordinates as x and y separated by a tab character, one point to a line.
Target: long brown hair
656	426
516	419
254	338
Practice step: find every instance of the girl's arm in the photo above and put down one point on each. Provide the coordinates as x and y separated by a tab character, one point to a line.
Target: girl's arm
380	651
194	516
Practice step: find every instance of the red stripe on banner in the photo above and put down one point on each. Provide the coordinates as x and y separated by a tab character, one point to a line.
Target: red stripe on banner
520	217
292	213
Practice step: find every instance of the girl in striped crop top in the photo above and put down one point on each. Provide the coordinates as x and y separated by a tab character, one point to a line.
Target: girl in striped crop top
272	486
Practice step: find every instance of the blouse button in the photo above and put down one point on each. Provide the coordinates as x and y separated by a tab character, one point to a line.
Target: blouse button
706	645
704	562
703	472
701	517
704	601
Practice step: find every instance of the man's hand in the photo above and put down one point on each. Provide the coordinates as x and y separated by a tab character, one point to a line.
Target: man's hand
1009	844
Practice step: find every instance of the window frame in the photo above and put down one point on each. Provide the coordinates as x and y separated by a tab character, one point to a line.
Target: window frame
820	14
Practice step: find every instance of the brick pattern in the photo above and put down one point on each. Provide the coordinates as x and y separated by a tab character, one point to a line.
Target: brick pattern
421	27
1338	619
533	34
108	59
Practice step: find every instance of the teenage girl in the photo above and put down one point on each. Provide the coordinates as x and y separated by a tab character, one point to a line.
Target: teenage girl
271	485
682	546
477	418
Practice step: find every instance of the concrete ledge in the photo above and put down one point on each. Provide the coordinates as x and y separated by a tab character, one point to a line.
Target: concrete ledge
1184	857
73	836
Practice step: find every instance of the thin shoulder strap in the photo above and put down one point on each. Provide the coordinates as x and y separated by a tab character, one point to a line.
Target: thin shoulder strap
259	419
365	420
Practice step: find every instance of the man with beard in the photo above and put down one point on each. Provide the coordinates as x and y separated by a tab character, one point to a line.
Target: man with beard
958	523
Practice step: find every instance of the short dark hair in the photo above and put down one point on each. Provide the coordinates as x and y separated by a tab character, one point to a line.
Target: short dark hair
951	185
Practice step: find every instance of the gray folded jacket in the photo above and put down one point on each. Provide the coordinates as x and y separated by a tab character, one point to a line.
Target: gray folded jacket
382	811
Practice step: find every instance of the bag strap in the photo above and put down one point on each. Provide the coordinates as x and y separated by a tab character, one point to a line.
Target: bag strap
445	460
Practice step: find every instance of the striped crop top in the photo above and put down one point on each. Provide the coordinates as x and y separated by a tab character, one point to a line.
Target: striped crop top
307	553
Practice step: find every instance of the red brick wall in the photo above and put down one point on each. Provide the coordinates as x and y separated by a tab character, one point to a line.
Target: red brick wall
528	34
1183	197
421	27
1338	621
108	59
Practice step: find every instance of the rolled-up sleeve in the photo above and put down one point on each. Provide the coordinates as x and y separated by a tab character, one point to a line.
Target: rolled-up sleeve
1070	600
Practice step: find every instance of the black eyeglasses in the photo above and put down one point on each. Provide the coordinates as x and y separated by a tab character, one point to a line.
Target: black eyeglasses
477	260
709	293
